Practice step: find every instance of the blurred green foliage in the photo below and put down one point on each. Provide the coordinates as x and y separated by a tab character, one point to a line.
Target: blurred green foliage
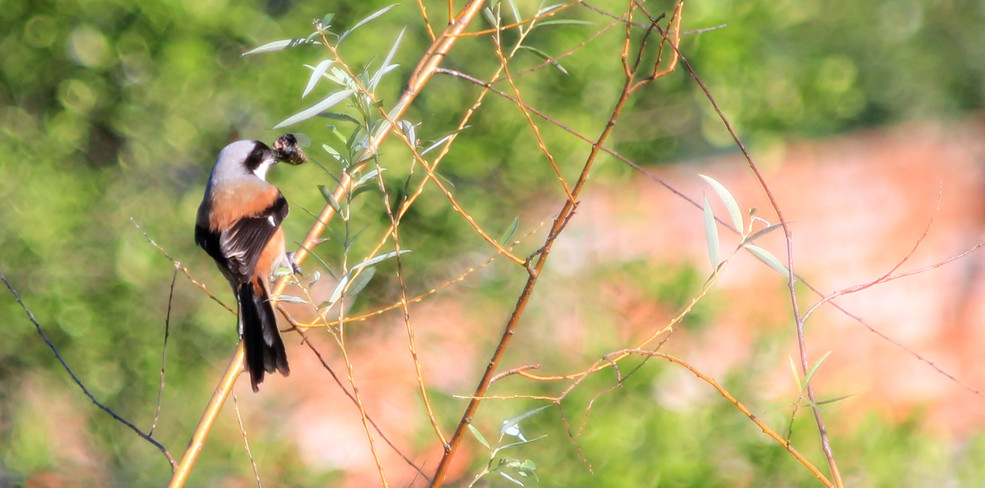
111	110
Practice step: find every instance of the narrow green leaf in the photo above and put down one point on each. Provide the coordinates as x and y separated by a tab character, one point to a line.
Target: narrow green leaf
479	437
279	46
379	75
546	57
327	193
730	204
444	181
564	21
360	281
351	239
835	399
514	430
761	233
796	375
548	8
711	234
361	186
510	231
288	299
435	144
517	482
356	142
810	374
409	130
443	139
516	11
489	16
339	116
326	103
770	260
338	147
515	464
386	67
363	22
510	423
362	189
316	74
337	292
366	178
376	259
340	77
361	79
313	254
522	440
336	156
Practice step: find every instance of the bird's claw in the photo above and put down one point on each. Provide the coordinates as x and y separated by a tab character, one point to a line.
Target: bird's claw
295	267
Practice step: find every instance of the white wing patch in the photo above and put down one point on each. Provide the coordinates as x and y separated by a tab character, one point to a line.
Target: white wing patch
270	218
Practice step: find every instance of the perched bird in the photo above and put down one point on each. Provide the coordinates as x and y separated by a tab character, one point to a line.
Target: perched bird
238	225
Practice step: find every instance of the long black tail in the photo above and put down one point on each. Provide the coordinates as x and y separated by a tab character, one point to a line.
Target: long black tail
264	347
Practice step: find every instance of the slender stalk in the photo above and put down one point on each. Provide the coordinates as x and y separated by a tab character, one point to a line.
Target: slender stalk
222	391
791	276
533	270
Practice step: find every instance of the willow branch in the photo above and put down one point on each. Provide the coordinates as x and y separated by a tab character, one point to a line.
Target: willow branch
421	75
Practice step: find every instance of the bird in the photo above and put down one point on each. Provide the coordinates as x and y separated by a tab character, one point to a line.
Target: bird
239	226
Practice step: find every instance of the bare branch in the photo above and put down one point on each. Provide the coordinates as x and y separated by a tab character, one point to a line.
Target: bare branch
54	350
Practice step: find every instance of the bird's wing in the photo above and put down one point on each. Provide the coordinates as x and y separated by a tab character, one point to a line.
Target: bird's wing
243	242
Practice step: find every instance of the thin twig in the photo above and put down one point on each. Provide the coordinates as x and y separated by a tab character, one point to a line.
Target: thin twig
183	269
357	399
497	42
644	26
516	25
54	350
164	352
404	307
352	398
662	182
791	278
246	442
533	269
612	152
424	18
742	408
419	297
